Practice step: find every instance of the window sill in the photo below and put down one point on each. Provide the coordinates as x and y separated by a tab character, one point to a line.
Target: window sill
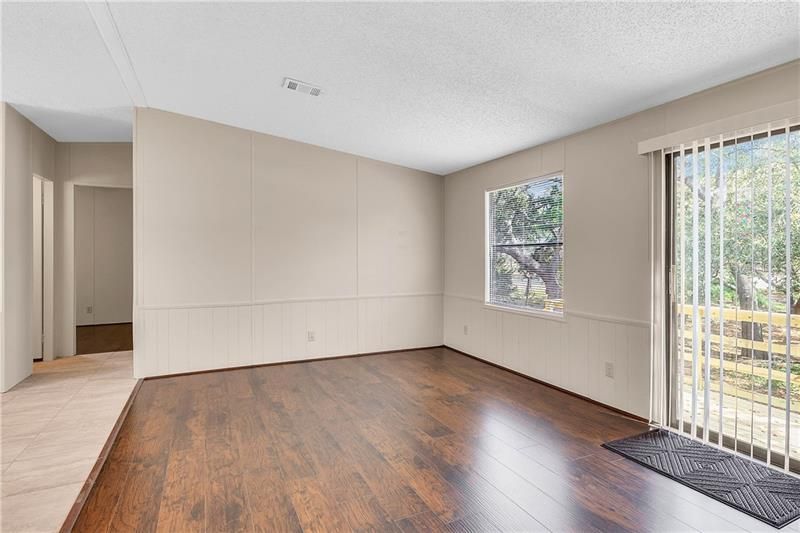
535	313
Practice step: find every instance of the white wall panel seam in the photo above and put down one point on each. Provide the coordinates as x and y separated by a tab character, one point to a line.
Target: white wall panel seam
252	243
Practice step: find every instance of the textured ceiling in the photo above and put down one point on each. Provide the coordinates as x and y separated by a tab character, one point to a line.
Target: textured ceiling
437	87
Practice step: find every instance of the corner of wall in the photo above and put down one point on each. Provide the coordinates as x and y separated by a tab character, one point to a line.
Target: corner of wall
185	328
3	106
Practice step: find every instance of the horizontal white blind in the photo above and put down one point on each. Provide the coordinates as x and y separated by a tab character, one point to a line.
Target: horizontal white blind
526	245
736	299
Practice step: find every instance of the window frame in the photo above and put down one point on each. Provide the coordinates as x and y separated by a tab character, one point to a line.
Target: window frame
558	316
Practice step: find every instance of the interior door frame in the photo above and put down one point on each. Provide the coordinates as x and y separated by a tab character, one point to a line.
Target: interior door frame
47	267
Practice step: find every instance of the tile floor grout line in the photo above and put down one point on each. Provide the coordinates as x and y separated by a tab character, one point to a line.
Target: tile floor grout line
36	435
71	387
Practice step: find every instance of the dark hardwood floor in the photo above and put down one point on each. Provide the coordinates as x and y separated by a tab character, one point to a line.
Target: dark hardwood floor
426	440
104	338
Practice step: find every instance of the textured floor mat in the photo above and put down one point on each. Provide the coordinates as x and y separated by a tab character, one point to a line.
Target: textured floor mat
761	492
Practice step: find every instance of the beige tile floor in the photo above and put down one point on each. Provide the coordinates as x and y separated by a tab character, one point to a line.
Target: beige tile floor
52	428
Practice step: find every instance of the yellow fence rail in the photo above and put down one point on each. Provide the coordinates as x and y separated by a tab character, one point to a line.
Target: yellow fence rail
736	343
732	343
745	368
745	315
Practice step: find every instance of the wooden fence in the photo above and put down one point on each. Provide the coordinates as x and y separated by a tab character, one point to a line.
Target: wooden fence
733	343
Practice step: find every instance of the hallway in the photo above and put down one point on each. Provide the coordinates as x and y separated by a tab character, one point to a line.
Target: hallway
104	338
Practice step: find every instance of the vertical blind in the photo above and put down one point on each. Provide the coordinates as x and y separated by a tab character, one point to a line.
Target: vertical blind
525	253
735	292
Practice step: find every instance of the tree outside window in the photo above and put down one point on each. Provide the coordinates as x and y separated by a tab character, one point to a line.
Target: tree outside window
526	245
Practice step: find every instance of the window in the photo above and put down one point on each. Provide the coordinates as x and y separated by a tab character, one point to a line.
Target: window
525	255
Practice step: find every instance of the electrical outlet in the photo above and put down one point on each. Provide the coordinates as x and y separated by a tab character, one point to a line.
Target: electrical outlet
311	337
466	329
609	370
88	309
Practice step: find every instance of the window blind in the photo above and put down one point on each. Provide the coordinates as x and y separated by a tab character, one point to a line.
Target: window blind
735	335
525	256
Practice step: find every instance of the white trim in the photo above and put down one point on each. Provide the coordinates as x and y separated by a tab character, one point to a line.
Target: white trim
486	255
537	313
211	305
567	314
398	295
464	297
660	293
610	318
526	181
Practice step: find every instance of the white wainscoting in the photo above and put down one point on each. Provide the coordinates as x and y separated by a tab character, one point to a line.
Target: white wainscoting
570	354
191	338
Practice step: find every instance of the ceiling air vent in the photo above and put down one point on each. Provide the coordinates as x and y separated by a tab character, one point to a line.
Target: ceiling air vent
301	87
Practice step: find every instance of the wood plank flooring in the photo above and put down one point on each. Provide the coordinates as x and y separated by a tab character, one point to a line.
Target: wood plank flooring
104	338
426	440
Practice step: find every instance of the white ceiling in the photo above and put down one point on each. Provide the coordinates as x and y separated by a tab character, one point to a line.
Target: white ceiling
437	87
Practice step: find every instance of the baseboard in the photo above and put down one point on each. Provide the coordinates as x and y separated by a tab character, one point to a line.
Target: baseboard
555	387
104	324
310	360
88	485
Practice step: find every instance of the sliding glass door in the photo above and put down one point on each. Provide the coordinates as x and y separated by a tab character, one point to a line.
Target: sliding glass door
735	292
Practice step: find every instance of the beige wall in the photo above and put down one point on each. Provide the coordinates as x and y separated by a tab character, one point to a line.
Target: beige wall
606	278
103	255
305	221
246	243
30	151
91	164
26	151
251	248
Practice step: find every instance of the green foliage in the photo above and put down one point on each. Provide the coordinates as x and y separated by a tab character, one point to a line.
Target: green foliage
738	185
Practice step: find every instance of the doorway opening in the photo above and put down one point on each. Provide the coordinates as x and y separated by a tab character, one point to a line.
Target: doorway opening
103	269
735	308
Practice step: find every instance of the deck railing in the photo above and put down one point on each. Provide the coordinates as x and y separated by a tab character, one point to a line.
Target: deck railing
733	343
